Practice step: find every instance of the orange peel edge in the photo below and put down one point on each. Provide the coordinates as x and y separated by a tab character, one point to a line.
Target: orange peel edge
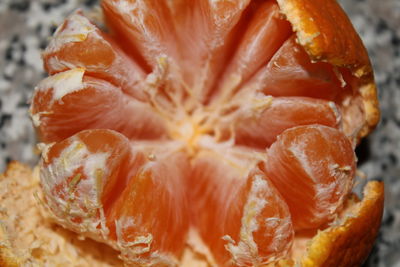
327	34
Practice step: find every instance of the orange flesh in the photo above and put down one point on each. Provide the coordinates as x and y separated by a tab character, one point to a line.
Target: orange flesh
159	184
241	199
317	80
217	121
77	111
283	113
307	166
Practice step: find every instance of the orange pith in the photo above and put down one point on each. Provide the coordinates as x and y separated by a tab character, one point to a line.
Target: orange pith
201	117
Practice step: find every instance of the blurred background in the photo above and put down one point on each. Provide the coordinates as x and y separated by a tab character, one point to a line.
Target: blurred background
25	28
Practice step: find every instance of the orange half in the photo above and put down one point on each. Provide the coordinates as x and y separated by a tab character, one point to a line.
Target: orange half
229	123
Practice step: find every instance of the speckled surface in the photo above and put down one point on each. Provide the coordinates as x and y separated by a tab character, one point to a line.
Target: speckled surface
25	26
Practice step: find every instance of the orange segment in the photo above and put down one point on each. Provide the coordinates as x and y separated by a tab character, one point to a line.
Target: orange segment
79	174
291	73
149	218
145	25
313	168
126	194
78	43
265	33
67	103
259	127
239	214
208	31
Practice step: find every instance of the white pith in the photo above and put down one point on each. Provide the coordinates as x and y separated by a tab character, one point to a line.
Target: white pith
246	249
131	251
81	197
63	83
76	30
198	246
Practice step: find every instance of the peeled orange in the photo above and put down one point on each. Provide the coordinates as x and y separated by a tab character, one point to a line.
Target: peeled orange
229	126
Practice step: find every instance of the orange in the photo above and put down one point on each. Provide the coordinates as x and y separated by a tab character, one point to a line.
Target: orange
230	126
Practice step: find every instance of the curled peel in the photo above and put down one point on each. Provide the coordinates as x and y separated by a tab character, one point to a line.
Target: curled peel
348	243
329	36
